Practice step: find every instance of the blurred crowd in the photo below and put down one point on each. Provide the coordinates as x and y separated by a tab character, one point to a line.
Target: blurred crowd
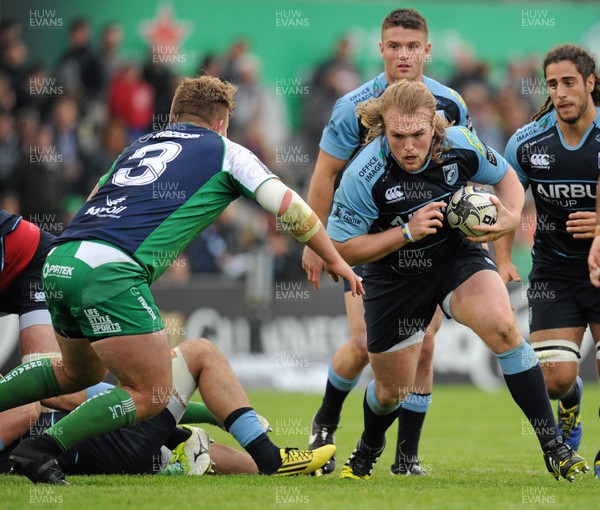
62	127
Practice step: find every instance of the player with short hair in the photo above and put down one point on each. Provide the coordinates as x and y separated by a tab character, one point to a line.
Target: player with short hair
405	48
557	156
123	239
410	144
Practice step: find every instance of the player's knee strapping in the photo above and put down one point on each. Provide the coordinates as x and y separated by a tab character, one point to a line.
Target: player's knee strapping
184	386
552	351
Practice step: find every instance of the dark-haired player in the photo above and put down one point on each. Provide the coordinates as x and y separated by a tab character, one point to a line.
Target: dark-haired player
556	155
405	49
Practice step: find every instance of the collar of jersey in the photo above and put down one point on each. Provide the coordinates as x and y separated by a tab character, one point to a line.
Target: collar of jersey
595	123
179	125
386	149
380	84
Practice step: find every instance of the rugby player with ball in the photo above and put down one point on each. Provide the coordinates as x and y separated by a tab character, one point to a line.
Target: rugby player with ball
408	144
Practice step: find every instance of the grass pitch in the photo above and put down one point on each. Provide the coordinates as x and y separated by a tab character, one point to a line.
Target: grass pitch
478	447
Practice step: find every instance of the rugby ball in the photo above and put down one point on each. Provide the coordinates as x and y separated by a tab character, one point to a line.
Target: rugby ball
469	207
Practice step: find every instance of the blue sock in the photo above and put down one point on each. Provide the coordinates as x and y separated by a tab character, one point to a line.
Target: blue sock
335	393
378	418
518	359
339	382
417	402
411	417
246	428
525	381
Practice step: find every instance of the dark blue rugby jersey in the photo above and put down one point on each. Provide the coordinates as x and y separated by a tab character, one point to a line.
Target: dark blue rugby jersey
376	194
344	133
563	180
163	190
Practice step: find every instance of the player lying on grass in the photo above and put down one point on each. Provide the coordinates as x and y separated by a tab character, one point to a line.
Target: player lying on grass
149	446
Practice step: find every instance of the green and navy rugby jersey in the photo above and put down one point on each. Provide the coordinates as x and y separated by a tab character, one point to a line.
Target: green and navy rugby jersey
344	133
376	194
563	180
163	190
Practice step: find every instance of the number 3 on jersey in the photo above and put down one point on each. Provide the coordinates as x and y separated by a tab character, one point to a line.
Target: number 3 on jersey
155	165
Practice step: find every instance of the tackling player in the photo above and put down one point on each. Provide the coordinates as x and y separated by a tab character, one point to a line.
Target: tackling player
410	144
557	156
404	48
122	240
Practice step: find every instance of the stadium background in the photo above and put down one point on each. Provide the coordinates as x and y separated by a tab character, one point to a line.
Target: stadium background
241	284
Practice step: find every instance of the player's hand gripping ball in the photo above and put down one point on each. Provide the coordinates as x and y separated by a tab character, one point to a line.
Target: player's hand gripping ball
470	207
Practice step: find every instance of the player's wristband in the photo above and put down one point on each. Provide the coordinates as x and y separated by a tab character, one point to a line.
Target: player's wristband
406	233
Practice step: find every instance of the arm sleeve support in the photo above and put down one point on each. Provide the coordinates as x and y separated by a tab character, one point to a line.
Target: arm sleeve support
290	209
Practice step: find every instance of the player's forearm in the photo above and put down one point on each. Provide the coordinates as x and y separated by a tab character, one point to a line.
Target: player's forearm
16	422
321	187
322	245
371	247
320	195
510	192
503	248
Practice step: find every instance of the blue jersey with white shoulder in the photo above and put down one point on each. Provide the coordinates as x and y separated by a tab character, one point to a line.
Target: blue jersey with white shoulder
376	194
344	133
563	180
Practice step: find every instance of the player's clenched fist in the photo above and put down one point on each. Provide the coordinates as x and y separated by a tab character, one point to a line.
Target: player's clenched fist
426	220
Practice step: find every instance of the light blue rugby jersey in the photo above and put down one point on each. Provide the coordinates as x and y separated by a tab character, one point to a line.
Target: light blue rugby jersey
376	194
344	134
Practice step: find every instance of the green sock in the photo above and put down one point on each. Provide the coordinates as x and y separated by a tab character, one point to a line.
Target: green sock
29	382
110	410
198	413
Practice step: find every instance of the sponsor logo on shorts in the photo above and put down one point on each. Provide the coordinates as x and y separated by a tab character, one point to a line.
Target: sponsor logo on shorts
101	323
57	271
490	261
146	306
